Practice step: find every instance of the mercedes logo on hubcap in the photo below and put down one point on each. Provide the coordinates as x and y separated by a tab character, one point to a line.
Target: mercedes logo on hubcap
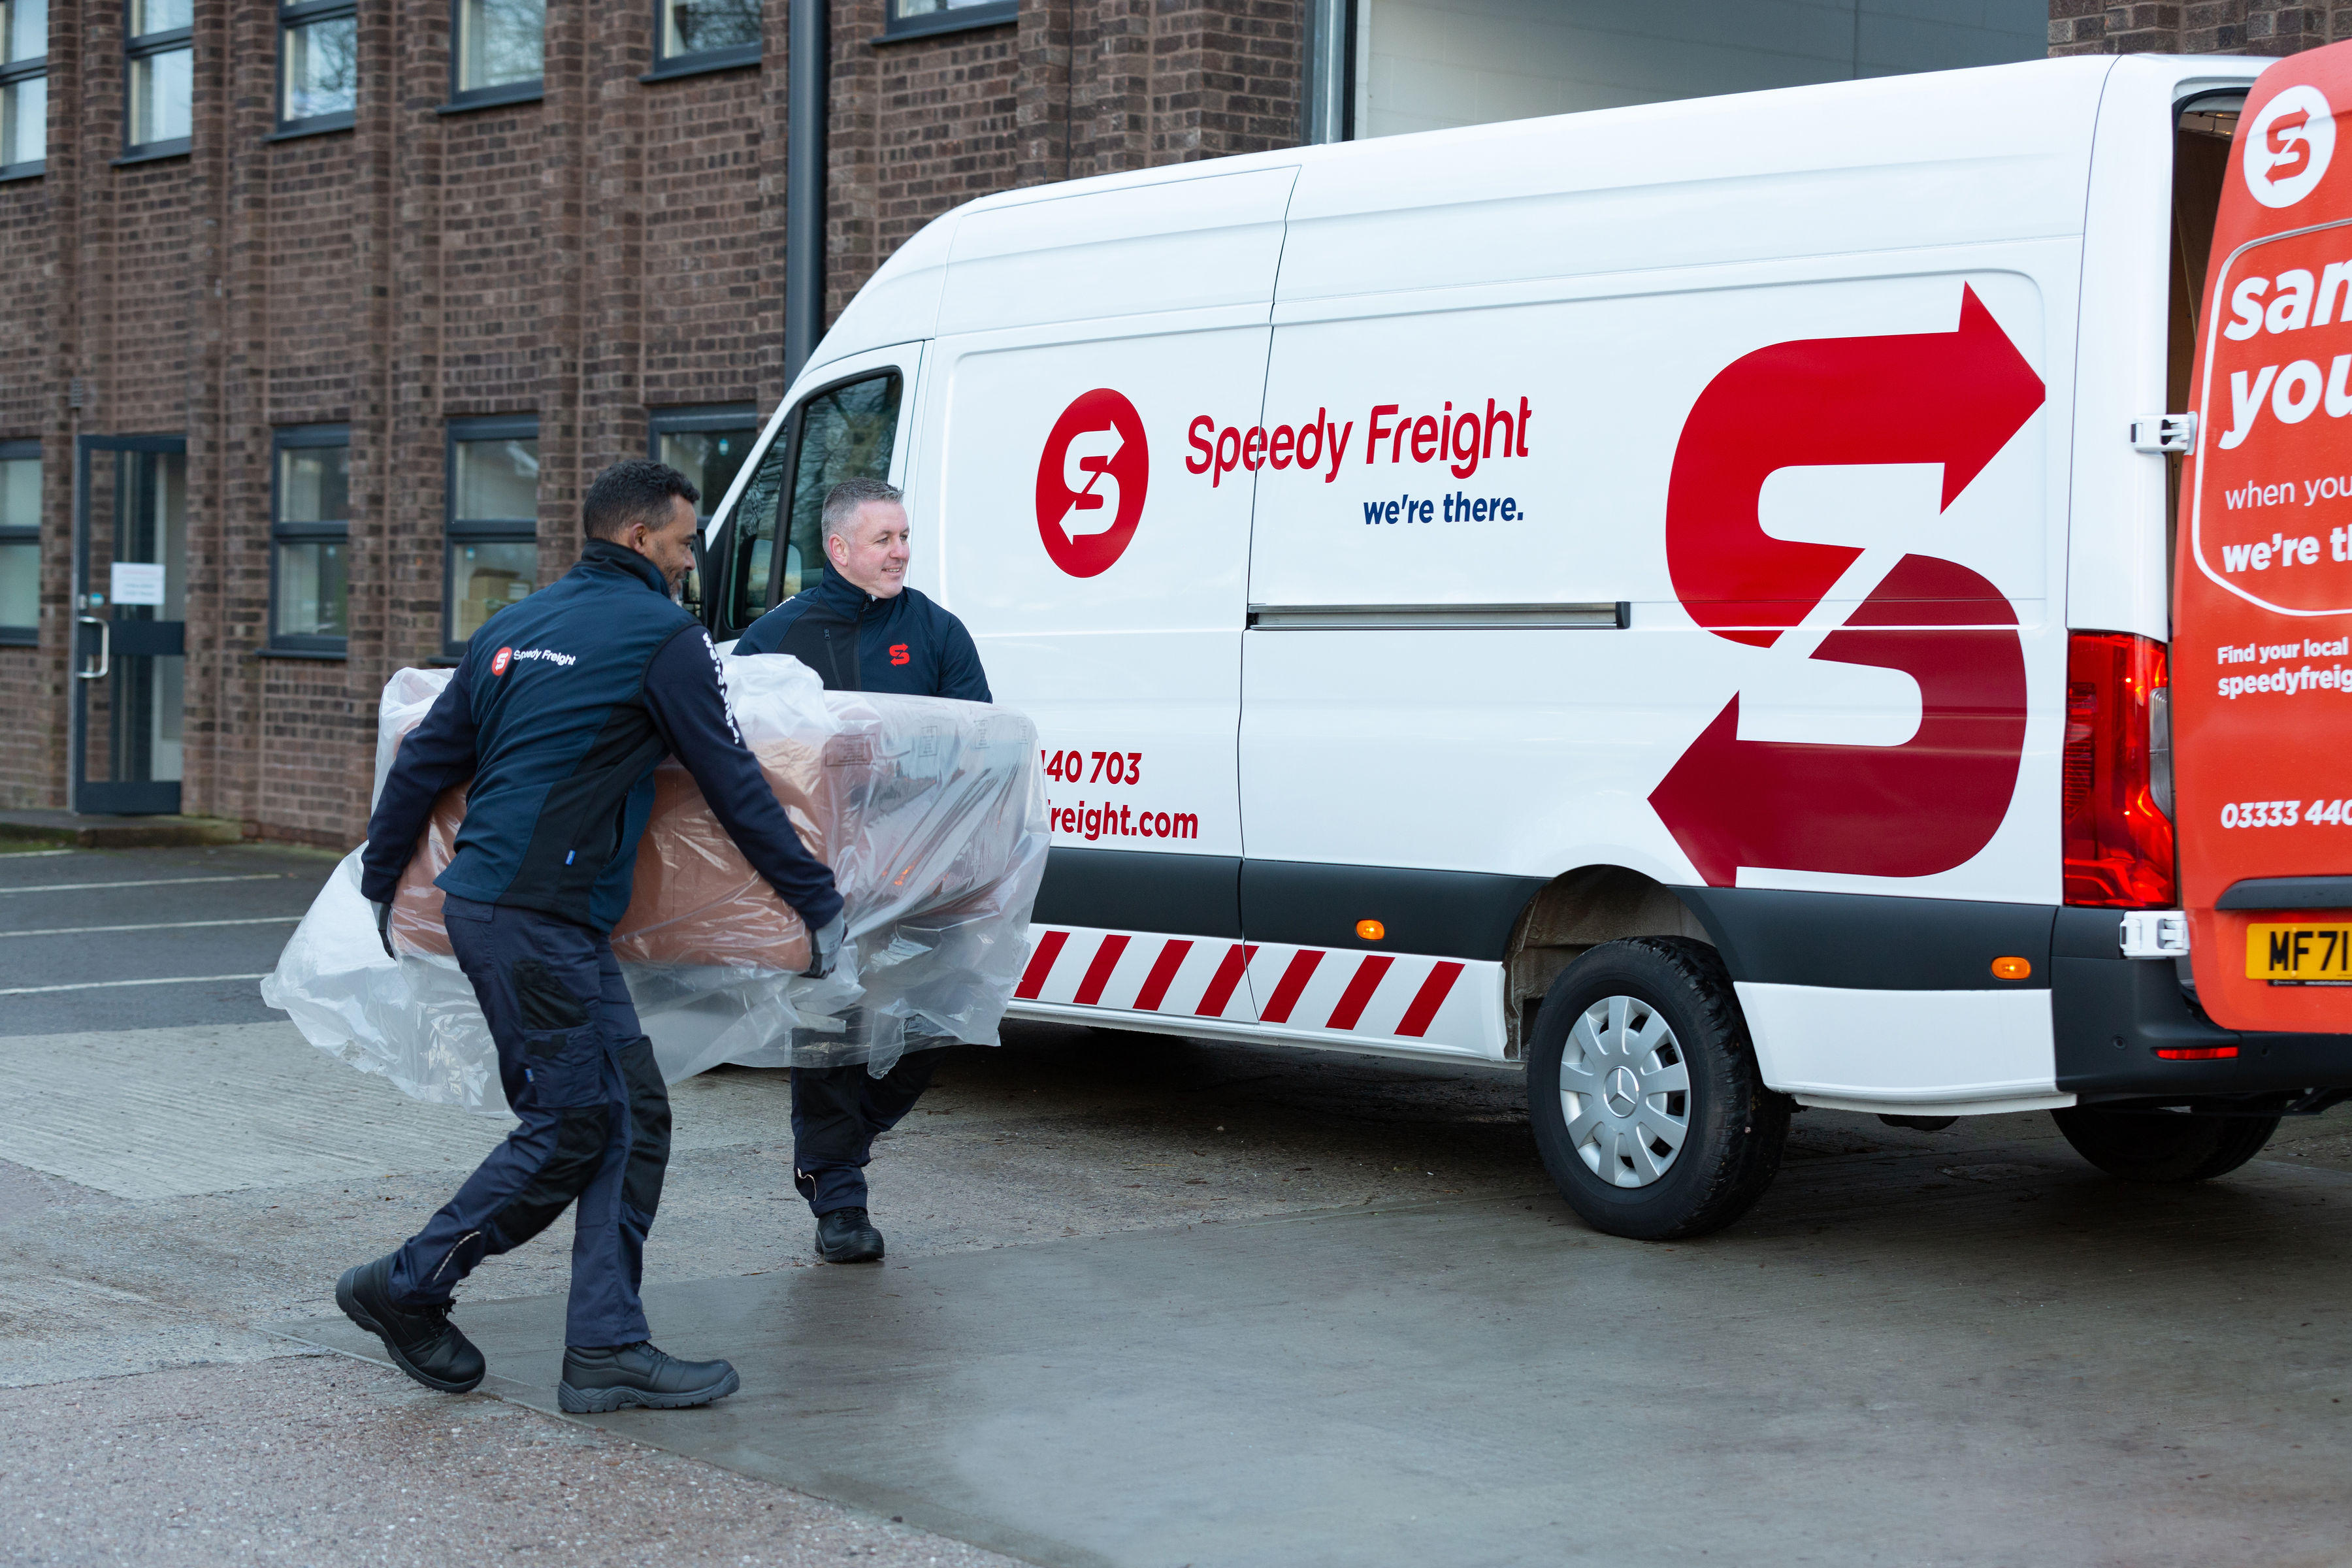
1624	1091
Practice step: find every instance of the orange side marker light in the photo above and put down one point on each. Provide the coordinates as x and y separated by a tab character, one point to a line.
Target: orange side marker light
2012	968
1371	931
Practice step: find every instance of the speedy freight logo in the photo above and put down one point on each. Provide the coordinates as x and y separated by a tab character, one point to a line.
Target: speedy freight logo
1091	480
2288	146
1911	810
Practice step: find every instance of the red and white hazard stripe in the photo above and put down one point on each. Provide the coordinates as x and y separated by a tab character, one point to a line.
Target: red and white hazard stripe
1442	1005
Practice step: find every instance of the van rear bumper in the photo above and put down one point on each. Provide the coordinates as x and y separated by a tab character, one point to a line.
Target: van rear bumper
2110	1015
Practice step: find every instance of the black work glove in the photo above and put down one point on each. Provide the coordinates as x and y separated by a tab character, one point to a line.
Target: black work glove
383	929
824	947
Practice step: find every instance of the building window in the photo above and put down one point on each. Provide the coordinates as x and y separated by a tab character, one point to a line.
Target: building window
493	548
912	18
501	53
20	542
161	79
309	527
705	34
317	65
708	446
23	88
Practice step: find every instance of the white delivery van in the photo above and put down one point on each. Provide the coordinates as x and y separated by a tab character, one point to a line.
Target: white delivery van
1661	599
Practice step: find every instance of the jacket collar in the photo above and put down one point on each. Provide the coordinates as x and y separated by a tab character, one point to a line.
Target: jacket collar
839	594
603	555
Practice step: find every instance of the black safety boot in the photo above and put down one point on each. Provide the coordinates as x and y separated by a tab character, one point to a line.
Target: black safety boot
846	1236
596	1381
422	1341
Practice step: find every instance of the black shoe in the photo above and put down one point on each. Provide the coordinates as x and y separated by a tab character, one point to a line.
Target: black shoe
846	1236
422	1341
596	1381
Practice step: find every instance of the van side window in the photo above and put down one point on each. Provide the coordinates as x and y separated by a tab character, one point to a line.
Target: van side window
844	432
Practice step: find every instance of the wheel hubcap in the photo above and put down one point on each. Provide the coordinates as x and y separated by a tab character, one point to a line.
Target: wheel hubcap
1624	1090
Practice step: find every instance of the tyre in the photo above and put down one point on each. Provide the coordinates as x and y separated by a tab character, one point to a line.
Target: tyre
1645	1095
2163	1146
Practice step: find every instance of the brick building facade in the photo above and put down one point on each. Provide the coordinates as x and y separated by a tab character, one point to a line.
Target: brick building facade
578	262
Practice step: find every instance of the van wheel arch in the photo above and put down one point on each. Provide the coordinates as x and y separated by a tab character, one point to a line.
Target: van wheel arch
1573	913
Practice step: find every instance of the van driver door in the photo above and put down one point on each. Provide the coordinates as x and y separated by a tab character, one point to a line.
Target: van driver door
1092	348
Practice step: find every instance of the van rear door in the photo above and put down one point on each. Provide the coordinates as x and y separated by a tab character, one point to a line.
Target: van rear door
2261	654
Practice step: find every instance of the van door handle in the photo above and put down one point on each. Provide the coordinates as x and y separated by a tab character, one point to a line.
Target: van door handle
2164	433
105	646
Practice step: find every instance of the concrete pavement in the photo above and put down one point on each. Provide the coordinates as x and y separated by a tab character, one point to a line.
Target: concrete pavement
1148	1301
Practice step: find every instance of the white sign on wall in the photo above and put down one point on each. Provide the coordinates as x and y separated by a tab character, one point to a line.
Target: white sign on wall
136	583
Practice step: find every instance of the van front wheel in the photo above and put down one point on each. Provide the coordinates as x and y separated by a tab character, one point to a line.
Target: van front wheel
1645	1095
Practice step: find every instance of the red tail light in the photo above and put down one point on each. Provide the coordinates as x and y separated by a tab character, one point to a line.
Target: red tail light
2119	840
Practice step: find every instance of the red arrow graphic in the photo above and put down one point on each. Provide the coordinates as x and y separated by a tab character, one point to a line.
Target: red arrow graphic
1936	800
1953	398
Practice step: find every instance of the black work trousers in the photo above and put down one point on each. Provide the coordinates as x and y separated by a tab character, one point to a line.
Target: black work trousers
837	1112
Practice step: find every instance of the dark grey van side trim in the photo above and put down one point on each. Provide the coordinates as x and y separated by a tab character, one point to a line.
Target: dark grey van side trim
2287	893
1126	889
1449	914
1867	943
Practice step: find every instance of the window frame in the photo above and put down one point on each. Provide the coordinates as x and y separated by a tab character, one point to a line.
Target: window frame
283	439
20	533
293	14
456	530
788	435
733	58
992	14
146	45
13	72
463	98
714	417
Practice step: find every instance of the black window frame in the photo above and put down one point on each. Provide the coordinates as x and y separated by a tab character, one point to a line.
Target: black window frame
293	14
146	45
733	58
719	592
994	13
20	533
13	72
293	437
715	418
464	99
456	530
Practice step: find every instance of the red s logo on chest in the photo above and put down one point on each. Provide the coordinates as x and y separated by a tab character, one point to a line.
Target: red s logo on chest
898	654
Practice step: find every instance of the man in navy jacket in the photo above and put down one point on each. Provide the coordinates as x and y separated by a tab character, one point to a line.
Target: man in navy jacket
554	721
861	628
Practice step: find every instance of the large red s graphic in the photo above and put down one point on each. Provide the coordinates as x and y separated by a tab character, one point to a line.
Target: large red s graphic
1928	805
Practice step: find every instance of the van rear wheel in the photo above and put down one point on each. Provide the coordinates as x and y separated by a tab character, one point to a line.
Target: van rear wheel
1645	1095
2163	1146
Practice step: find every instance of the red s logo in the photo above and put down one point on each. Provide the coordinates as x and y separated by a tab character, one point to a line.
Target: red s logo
898	654
1090	482
500	659
1912	810
2290	148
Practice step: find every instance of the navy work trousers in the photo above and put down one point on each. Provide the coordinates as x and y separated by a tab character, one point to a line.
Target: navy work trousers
595	1128
837	1112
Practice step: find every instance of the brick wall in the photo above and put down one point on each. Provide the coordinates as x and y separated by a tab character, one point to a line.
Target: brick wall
613	248
2212	28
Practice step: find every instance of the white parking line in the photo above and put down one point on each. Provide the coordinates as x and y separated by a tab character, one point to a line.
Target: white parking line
109	984
36	854
150	883
162	925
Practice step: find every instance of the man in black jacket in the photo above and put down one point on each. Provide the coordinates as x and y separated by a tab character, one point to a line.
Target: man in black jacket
862	628
554	720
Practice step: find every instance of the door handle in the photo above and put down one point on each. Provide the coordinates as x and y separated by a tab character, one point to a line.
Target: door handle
105	646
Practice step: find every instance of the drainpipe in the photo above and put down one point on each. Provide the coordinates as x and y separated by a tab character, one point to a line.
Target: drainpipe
806	87
1328	109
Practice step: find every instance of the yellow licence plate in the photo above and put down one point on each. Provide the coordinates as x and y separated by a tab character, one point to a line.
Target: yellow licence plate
2310	954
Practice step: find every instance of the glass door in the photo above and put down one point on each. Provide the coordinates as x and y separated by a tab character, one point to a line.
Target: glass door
130	599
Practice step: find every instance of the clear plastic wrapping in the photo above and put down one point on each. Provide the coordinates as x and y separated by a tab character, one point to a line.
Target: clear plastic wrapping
931	813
